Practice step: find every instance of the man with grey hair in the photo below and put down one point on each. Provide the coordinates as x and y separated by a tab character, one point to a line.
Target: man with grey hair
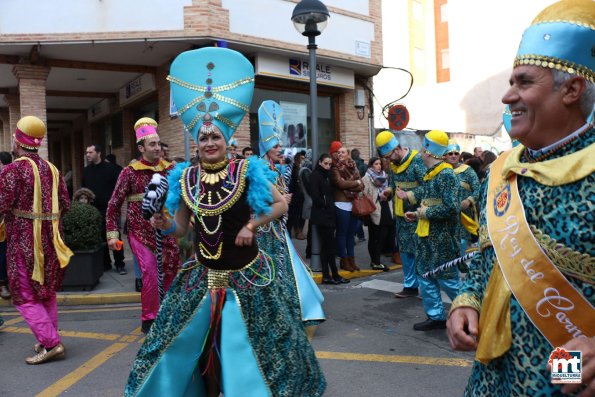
527	304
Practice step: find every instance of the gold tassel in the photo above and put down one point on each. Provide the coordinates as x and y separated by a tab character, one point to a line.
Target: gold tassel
495	335
423	228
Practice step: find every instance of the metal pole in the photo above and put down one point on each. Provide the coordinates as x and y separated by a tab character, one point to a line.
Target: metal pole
315	258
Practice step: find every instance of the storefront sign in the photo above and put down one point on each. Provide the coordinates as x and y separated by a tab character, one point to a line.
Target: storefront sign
299	69
363	48
99	110
137	88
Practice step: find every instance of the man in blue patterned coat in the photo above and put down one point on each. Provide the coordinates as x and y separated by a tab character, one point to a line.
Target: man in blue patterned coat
528	300
436	230
407	173
468	192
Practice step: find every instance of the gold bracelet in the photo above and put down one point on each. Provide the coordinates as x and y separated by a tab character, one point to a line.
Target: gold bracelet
250	227
112	235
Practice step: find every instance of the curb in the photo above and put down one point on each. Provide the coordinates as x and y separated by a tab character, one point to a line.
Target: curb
108	298
112	298
357	274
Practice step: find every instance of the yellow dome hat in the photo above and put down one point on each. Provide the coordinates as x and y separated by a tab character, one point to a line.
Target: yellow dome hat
386	142
144	128
30	132
436	142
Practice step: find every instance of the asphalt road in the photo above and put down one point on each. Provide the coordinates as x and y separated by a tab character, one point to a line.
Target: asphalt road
367	347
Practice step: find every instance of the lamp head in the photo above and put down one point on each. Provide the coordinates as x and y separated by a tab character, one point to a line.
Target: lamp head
310	17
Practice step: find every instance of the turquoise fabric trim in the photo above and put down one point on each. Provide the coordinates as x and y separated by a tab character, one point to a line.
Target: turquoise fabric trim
561	40
260	195
177	373
173	375
309	294
172	202
240	371
388	146
433	147
453	147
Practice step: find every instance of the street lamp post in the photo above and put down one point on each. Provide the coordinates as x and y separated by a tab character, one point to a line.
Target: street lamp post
310	18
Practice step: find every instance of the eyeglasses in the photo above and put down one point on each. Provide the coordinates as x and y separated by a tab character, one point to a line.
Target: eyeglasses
452	154
327	163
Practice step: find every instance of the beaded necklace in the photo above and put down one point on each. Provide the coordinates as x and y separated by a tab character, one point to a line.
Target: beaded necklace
194	192
210	244
529	159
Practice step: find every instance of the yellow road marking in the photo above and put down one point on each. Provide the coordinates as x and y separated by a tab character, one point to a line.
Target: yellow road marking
71	334
89	335
115	309
455	362
136	331
82	371
13	321
128	338
16	330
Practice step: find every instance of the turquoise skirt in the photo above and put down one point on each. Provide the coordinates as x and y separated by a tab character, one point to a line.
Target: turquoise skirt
301	289
261	348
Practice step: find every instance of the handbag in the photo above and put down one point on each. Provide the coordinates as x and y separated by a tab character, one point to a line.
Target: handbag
362	205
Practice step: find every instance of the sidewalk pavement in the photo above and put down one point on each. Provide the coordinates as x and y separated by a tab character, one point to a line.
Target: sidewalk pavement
114	288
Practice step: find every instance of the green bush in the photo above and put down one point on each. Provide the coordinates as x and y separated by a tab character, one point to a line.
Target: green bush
82	227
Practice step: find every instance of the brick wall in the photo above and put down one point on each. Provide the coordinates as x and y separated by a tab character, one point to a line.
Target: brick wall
208	18
203	18
353	132
171	130
32	95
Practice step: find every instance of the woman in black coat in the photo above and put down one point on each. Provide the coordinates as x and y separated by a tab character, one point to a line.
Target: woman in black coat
323	216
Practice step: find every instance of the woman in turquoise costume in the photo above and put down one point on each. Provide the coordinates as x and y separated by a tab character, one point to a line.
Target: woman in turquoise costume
274	237
224	326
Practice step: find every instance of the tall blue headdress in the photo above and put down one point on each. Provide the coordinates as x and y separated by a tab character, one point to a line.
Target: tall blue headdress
271	123
211	86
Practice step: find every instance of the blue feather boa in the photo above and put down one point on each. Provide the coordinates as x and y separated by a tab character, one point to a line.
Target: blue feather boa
174	194
259	177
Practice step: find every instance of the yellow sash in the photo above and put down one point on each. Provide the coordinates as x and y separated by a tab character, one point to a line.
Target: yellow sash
461	168
554	306
160	166
399	207
470	224
62	251
423	224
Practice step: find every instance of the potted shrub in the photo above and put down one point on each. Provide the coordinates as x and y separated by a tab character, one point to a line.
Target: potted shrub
83	234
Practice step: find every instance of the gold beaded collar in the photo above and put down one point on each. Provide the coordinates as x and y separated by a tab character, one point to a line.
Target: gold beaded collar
214	166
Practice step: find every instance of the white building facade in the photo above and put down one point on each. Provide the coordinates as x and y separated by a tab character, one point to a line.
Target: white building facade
90	68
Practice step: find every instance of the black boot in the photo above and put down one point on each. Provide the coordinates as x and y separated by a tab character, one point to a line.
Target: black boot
146	326
429	325
138	284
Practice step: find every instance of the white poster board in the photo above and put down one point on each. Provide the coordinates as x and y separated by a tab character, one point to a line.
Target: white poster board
295	130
